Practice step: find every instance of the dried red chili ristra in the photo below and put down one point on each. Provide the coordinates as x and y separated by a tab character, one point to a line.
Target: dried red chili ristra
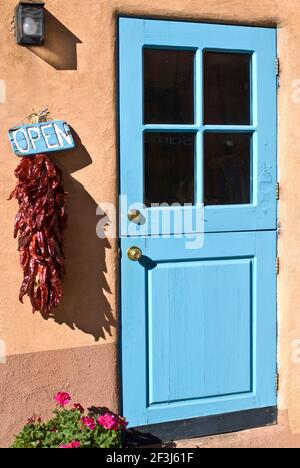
39	226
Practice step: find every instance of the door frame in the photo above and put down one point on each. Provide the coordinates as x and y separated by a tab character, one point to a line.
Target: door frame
208	425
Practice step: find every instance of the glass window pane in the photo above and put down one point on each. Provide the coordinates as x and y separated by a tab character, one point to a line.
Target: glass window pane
227	89
227	168
168	86
169	168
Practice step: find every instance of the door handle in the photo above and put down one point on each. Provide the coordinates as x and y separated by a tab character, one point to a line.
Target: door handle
134	216
134	254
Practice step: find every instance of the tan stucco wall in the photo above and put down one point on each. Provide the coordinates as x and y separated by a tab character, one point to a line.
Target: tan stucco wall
74	75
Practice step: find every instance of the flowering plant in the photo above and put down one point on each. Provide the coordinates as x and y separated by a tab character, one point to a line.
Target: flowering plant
71	428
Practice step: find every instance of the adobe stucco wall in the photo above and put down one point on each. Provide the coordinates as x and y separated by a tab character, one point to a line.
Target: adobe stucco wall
74	75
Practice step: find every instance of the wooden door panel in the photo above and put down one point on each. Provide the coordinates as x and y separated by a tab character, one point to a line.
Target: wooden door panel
199	336
200	329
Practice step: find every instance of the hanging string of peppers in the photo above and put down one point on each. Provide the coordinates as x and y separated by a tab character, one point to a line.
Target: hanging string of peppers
39	227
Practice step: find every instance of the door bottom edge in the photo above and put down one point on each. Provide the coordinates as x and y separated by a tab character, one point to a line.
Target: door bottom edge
156	434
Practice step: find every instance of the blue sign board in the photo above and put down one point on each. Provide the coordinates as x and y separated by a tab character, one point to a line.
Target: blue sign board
45	137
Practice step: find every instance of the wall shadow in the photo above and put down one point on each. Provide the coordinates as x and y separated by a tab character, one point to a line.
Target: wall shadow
85	303
137	439
75	159
60	47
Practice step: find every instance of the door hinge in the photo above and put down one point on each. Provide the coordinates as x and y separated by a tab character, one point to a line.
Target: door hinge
277	266
277	382
277	67
277	191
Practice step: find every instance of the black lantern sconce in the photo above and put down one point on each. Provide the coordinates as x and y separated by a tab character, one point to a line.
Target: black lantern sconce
30	23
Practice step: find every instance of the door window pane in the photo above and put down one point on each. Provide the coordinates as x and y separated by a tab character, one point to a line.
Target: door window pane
168	86
227	89
227	168
169	168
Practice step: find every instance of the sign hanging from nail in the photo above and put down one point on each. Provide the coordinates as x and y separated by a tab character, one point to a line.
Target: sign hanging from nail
45	137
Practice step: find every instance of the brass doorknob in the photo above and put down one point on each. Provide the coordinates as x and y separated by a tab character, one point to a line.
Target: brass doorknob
134	216
134	254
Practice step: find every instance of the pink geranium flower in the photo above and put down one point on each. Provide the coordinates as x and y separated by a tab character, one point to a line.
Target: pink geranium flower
62	398
78	407
109	422
89	422
73	445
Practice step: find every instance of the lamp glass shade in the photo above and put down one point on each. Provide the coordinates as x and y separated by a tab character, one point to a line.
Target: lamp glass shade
30	23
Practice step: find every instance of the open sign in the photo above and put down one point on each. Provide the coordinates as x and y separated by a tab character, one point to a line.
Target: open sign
45	137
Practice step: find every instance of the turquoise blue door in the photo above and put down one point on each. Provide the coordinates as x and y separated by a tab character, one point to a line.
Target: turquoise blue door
198	173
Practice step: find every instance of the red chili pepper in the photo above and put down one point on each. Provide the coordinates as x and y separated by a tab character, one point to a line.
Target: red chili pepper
40	225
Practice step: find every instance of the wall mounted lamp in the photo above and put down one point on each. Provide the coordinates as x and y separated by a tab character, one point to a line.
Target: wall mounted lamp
30	23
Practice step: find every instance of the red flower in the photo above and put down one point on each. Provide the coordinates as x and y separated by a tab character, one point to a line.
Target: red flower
62	398
78	407
123	422
34	420
72	445
89	422
109	422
